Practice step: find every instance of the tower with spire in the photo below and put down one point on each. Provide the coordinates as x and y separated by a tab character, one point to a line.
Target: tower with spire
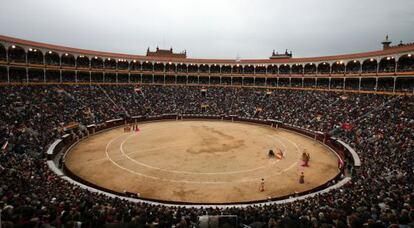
386	43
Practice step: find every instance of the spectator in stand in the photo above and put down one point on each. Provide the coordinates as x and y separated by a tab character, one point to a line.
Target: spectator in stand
379	195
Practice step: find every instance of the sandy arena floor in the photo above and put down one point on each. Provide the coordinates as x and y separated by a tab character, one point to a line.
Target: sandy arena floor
201	161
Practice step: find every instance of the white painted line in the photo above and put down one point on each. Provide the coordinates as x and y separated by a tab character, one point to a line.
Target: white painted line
187	172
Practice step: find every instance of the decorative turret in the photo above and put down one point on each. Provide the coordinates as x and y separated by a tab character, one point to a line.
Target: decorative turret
276	55
166	53
386	43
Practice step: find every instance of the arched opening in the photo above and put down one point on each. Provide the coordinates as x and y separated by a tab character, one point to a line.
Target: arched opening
387	65
34	56
82	62
182	68
310	68
192	68
215	69
68	60
52	58
123	65
237	69
203	68
135	65
96	62
352	67
226	69
323	68
159	67
406	63
272	69
147	66
3	54
248	69
110	63
170	67
338	67
17	54
369	66
284	69
297	69
260	69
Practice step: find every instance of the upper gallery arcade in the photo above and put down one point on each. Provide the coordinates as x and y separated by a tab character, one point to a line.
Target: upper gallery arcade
45	61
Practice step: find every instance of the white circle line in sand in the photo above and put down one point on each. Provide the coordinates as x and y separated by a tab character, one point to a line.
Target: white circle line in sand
188	172
189	181
276	137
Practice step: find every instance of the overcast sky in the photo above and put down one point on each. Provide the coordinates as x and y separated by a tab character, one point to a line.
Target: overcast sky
212	28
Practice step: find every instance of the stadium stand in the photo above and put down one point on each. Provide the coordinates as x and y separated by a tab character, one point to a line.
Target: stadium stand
48	92
380	193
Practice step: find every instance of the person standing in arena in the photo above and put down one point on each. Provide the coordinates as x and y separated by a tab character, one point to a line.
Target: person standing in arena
305	158
302	178
271	154
262	184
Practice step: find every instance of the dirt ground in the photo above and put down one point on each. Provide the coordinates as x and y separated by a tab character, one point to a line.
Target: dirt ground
201	161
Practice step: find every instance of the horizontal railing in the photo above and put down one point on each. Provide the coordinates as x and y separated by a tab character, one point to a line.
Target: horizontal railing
206	74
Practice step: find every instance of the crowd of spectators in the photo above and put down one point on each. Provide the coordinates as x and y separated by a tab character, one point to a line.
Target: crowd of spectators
380	193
